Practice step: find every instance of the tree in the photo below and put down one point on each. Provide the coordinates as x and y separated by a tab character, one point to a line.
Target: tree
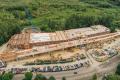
78	21
0	76
6	76
51	78
40	77
28	76
118	69
116	2
105	20
63	78
10	75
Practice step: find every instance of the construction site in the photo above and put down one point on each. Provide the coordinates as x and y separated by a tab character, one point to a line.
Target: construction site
32	43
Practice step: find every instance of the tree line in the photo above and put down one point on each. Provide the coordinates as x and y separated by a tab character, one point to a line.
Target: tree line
27	76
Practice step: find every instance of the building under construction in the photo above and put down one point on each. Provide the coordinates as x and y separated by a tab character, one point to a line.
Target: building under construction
31	41
27	39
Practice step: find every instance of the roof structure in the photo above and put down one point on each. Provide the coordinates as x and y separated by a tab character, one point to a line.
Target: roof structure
58	36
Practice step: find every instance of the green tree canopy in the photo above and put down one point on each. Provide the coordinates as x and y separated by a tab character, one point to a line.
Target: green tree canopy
63	78
7	76
118	69
28	76
51	78
40	77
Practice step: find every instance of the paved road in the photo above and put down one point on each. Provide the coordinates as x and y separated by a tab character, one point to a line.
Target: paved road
83	73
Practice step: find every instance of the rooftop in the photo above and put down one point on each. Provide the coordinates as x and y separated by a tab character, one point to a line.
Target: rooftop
39	37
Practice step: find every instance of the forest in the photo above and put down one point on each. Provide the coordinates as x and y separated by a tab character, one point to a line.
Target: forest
52	15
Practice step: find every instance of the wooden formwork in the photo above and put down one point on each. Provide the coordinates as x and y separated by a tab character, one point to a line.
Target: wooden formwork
19	41
8	56
22	40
